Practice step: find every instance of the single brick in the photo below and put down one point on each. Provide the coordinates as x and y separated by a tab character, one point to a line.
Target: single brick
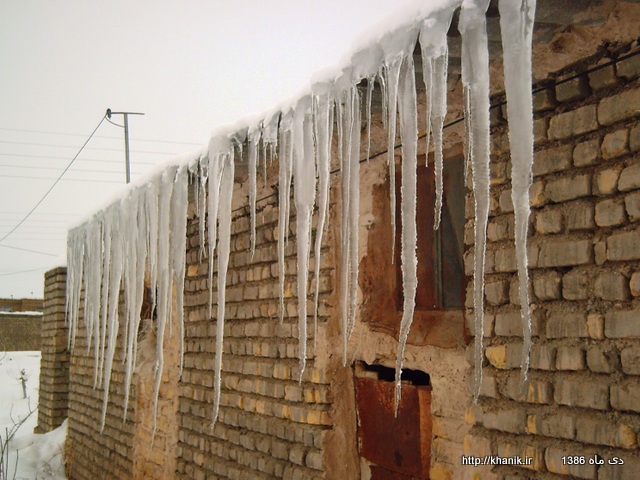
609	213
497	293
536	194
512	420
570	358
543	357
626	395
558	426
566	325
586	153
573	123
624	246
611	286
632	206
615	144
505	202
544	100
620	107
510	324
601	359
629	68
547	286
540	129
634	284
573	90
581	392
606	181
568	188
535	391
552	160
500	229
504	356
566	253
604	77
634	138
595	326
549	221
629	178
575	285
505	258
630	359
581	216
622	324
605	431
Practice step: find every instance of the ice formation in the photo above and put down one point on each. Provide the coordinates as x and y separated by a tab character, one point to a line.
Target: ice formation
516	25
138	244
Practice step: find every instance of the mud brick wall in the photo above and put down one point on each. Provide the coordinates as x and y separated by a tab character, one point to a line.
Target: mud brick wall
54	363
19	332
270	424
583	396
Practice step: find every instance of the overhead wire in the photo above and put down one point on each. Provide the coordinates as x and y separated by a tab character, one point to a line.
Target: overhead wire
24	219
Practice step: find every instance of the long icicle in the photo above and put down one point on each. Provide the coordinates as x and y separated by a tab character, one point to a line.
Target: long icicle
304	197
224	248
409	237
393	75
475	78
516	25
253	139
323	132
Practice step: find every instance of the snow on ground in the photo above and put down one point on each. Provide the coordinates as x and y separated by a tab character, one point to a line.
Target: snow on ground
39	457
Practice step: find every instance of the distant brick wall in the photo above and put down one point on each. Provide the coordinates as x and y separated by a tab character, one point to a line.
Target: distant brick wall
19	332
54	363
584	257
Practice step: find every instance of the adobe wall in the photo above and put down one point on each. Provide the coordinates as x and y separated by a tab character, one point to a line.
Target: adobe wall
54	363
20	332
582	398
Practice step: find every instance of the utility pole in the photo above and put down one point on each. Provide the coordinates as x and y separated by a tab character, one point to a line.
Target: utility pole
126	137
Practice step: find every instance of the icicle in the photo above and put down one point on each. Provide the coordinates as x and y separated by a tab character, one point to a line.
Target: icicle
354	203
224	247
409	237
304	197
435	58
92	280
284	179
214	179
115	274
393	74
323	133
75	256
164	279
370	84
516	26
179	205
152	202
107	235
344	128
475	78
253	139
382	76
201	180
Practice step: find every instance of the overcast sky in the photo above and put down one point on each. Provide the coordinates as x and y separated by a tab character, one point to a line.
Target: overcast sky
190	66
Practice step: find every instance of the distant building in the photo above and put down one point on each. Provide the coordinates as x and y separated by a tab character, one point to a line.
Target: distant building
21	305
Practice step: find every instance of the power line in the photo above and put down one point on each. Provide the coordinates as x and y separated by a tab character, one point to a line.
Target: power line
35	167
98	136
53	145
54	184
27	177
5	274
53	157
28	250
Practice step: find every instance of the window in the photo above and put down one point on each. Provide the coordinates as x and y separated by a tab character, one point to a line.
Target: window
439	313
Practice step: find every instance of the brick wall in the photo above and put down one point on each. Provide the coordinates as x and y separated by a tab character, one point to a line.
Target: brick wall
269	424
19	332
582	398
54	363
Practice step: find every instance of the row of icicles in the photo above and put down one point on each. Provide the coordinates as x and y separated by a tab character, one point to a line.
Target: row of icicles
144	234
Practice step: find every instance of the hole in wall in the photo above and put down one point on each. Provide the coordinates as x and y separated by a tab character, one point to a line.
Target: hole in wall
386	374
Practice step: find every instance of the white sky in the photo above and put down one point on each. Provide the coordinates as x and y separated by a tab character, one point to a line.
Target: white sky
189	66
